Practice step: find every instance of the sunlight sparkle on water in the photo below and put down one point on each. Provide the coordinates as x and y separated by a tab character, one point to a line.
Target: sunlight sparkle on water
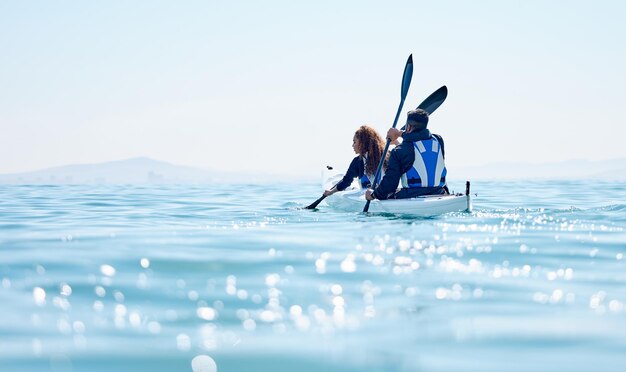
320	266
61	303
154	327
119	296
348	265
206	313
107	270
100	291
336	289
66	290
134	319
242	314
183	342
203	363
272	279
249	325
64	326
39	295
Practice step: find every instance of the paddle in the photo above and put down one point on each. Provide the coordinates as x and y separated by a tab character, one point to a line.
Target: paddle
406	82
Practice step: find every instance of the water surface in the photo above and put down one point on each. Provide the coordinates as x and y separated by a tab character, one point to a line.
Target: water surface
119	277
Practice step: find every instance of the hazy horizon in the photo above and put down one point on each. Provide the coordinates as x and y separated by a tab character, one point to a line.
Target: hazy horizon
280	87
141	170
336	165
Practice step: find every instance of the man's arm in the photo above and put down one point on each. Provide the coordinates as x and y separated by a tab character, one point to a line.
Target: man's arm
390	181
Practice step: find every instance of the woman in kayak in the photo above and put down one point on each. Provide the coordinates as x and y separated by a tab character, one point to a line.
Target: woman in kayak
369	146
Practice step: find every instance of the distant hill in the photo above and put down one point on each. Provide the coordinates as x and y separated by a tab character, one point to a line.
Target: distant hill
609	170
144	170
139	170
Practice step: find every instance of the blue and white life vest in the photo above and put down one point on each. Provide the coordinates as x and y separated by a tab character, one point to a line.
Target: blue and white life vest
429	168
365	182
364	179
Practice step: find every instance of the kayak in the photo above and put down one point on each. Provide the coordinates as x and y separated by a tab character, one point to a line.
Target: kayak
353	200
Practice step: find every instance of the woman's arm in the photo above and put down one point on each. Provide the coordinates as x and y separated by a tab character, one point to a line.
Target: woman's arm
351	173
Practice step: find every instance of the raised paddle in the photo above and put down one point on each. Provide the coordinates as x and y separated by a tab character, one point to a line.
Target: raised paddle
406	82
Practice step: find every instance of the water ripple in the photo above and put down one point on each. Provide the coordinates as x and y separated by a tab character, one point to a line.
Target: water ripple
241	273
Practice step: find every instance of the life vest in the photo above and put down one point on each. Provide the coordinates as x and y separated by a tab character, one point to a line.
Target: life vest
429	168
366	180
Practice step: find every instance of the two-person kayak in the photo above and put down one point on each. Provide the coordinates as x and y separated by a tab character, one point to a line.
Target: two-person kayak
353	200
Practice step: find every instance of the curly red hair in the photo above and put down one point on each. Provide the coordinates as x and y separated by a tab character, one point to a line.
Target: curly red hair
372	144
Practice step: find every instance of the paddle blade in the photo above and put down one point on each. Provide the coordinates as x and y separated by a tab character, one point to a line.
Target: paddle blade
432	102
406	77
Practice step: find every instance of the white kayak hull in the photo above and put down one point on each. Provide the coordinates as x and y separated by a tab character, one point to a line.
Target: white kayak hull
353	200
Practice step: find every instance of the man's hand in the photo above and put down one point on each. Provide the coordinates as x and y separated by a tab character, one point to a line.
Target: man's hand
368	195
393	134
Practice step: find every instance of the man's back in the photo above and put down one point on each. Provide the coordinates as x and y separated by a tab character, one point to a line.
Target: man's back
401	161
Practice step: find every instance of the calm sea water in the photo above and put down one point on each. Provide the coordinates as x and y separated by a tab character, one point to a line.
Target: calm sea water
127	278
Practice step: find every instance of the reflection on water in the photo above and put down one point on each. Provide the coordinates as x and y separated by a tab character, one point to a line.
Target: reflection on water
238	278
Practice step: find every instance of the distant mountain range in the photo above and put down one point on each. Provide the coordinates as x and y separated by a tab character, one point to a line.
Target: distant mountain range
609	170
139	170
148	171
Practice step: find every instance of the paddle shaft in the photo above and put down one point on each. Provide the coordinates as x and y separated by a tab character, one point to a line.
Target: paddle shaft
315	203
382	159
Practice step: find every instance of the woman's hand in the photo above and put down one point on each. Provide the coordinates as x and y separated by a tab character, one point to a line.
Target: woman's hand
331	191
369	195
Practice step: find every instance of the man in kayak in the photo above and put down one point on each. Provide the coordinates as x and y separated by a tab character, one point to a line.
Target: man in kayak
418	162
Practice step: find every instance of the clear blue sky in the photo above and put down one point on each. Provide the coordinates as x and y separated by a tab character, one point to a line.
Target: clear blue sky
280	86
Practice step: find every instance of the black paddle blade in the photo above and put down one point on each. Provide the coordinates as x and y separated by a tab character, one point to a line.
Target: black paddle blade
315	203
432	102
406	77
